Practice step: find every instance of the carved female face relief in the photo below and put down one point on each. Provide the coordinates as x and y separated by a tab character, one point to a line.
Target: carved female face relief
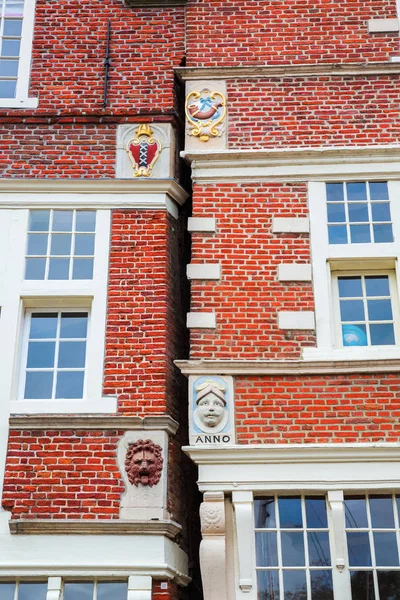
144	463
211	414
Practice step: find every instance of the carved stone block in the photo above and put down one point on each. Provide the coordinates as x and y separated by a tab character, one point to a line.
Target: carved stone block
206	115
211	410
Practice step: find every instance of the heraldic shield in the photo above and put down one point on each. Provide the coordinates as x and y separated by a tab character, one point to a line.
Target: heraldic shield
143	151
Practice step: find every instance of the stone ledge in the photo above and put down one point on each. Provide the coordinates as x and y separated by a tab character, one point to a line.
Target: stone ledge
93	527
50	422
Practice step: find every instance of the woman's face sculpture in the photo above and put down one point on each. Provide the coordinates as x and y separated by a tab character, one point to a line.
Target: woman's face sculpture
211	410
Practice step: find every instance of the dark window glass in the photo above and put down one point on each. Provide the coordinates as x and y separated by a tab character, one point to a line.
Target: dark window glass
381	211
69	385
78	591
334	192
292	548
381	512
337	234
386	549
379	190
268	585
336	213
32	591
39	220
352	310
266	549
356	191
7	591
382	335
73	325
318	549
354	335
359	549
316	512
389	585
294	585
362	585
62	220
383	233
358	213
321	585
290	512
112	591
43	325
360	234
377	285
264	513
356	512
350	287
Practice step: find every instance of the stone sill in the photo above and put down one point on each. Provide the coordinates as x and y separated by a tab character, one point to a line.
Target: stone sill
166	528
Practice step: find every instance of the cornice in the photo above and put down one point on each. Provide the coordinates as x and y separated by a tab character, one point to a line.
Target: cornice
295	164
56	421
116	189
293	453
286	367
166	528
300	70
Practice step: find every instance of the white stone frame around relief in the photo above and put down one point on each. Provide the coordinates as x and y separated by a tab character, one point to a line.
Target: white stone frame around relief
224	432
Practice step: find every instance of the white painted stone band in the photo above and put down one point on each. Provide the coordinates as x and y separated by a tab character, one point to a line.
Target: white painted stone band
290	225
203	271
383	25
198	320
294	272
296	320
139	587
202	224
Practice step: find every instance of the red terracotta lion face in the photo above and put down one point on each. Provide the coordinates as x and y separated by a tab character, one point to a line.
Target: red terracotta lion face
143	463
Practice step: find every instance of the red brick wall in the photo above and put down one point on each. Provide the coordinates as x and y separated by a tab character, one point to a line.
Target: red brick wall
318	409
315	111
295	31
247	298
62	475
170	593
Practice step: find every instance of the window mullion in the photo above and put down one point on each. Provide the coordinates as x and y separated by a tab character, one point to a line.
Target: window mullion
279	547
306	553
372	549
55	371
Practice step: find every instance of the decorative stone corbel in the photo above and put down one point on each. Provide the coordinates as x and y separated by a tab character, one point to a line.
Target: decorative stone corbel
336	502
243	506
139	587
54	588
212	547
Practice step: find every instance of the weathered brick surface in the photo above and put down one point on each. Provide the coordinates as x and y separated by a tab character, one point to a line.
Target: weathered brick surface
296	31
248	297
318	409
315	111
168	592
62	475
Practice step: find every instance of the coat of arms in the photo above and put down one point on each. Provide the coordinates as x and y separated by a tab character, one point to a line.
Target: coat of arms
143	151
205	112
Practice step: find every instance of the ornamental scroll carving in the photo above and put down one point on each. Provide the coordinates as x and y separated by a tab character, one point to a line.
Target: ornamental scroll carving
144	463
213	546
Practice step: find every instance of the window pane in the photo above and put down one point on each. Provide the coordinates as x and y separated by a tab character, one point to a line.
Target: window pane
294	585
73	325
78	591
39	220
7	89
43	325
266	549
37	243
381	512
350	287
352	310
336	213
356	191
60	244
264	513
112	591
377	285
8	68
316	512
59	268
358	213
85	220
12	27
290	512
38	385
383	233
354	335
360	234
32	591
292	548
7	591
379	190
318	549
72	355
10	47
14	8
389	585
84	245
356	512
41	355
380	310
382	335
337	234
83	268
381	211
35	268
69	384
334	192
62	220
362	585
359	550
386	549
268	585
321	585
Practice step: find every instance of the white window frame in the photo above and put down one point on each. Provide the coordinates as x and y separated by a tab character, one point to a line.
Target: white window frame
327	258
21	99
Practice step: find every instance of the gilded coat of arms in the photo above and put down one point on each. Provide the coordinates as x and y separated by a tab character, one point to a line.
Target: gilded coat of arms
143	151
205	112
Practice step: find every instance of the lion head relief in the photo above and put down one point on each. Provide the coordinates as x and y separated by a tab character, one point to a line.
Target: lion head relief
144	462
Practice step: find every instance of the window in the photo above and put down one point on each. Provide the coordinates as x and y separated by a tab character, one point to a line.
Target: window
97	590
16	32
365	306
293	557
358	212
55	355
23	590
60	244
373	535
